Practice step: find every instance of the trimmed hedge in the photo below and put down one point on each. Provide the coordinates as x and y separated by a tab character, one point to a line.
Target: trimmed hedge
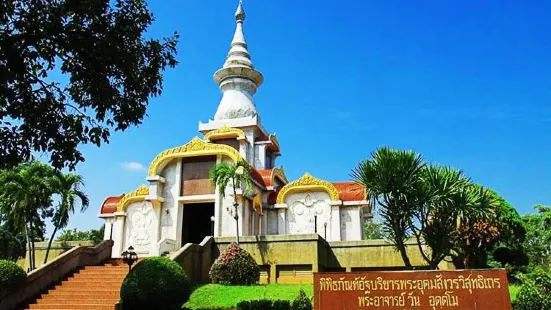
12	276
264	304
234	266
155	283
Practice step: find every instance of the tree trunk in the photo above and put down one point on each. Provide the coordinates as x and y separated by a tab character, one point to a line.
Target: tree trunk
28	247
32	245
402	248
235	205
50	245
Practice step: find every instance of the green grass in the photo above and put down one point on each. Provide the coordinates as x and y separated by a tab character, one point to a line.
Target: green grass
214	295
513	291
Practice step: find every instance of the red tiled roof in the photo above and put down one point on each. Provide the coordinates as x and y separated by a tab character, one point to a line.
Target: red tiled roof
110	204
266	176
350	191
255	174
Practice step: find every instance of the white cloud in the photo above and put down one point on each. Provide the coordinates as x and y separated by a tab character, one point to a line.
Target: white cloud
132	166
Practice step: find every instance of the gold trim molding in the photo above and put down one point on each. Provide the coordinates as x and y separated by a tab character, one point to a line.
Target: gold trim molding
307	183
224	132
195	147
137	195
257	204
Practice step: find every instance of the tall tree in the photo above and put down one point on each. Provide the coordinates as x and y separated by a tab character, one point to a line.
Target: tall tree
478	236
68	188
25	197
236	175
109	71
538	236
449	198
392	179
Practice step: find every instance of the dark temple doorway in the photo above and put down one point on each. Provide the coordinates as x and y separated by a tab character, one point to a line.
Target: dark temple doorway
196	222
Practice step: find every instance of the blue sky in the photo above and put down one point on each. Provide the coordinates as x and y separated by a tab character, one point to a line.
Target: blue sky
466	84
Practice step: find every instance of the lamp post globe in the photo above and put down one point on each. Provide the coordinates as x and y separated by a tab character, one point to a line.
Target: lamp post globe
129	257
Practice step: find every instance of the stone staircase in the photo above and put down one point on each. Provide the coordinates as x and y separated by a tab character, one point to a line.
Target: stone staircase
93	287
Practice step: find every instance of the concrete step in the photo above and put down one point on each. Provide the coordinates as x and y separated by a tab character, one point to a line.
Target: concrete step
50	300
73	307
94	280
81	295
89	289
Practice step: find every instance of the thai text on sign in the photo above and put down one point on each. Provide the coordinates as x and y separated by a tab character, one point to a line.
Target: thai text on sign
457	289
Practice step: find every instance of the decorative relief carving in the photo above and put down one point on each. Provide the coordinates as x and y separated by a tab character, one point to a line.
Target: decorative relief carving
303	212
195	147
139	228
308	183
137	195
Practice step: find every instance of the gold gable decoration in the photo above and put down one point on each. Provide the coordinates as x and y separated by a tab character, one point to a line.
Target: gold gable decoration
224	132
137	195
195	147
280	173
307	183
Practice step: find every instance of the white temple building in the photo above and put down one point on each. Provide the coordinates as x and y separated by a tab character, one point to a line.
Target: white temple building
180	205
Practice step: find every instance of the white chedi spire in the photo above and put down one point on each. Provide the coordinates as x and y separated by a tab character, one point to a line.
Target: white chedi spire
237	79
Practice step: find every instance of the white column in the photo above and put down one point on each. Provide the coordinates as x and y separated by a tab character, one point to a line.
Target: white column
107	229
281	221
118	234
335	223
262	156
155	234
176	214
218	205
356	224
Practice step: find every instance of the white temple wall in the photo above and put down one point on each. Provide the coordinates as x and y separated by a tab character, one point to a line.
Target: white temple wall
351	228
271	218
301	210
249	135
140	226
118	234
170	193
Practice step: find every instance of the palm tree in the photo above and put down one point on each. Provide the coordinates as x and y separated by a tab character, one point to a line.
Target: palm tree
238	175
392	179
68	187
24	195
448	198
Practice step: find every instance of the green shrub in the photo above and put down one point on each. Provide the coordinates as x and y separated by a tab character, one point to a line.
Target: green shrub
155	283
281	305
234	267
264	304
302	302
535	292
11	276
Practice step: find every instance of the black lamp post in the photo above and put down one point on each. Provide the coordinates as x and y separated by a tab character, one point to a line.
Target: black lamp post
315	223
325	230
129	257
